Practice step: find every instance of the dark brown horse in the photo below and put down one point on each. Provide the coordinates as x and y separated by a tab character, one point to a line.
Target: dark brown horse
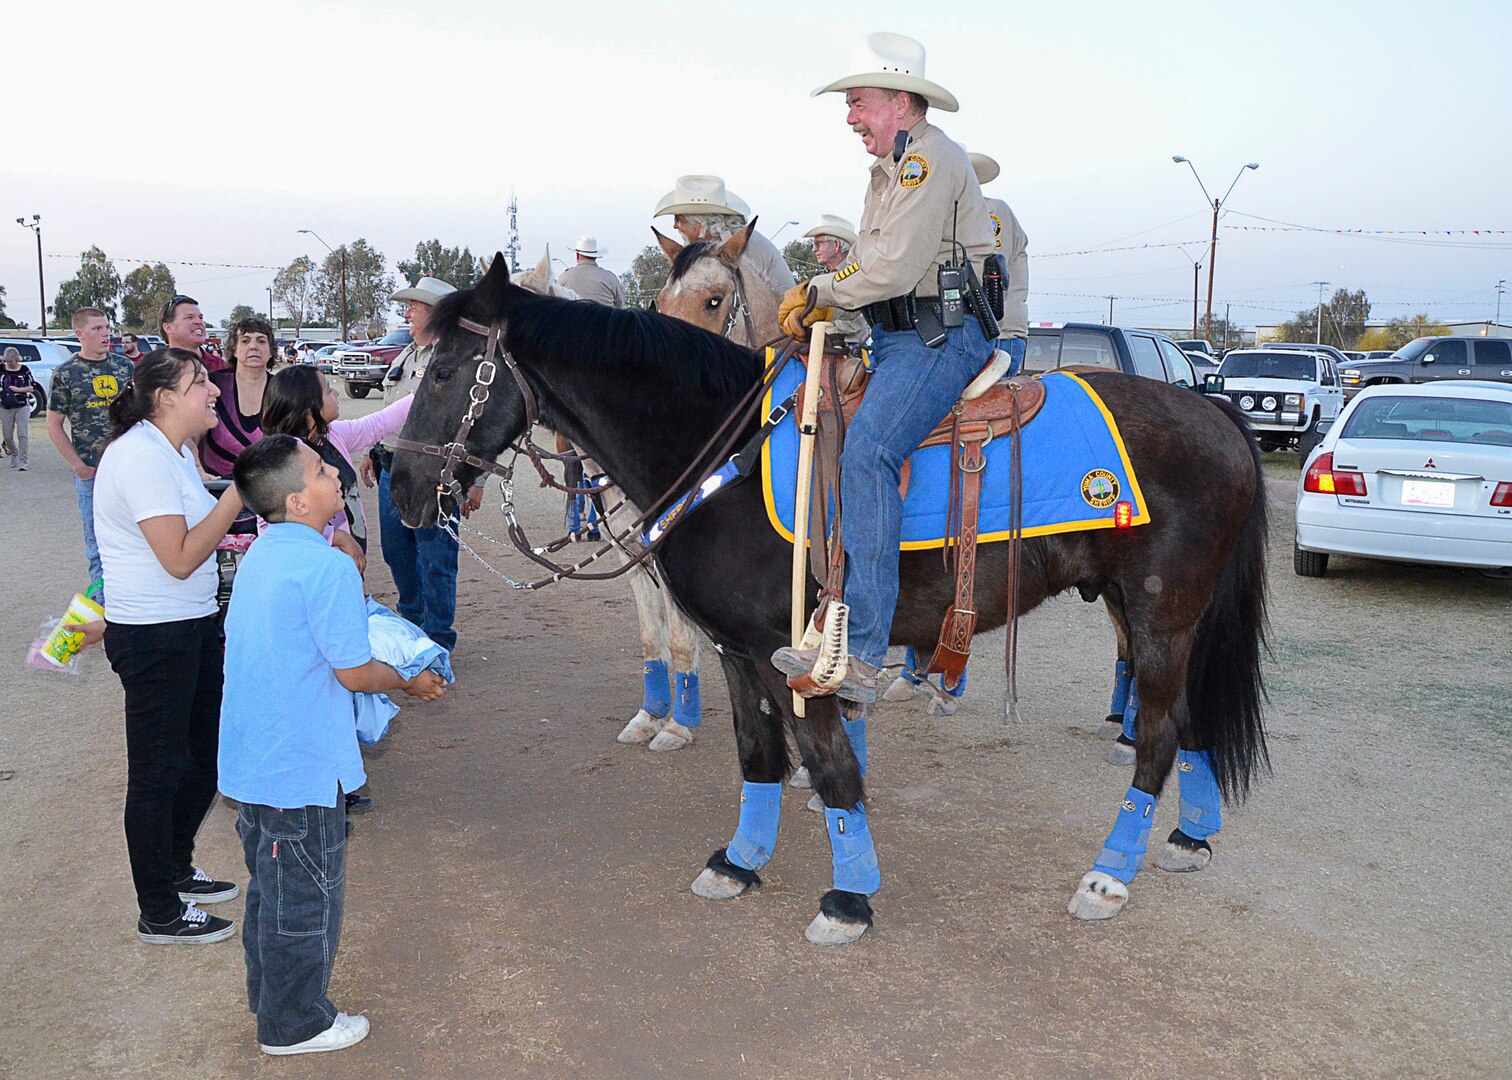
645	395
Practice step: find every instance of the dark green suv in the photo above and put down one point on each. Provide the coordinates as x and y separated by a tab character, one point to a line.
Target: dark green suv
1433	359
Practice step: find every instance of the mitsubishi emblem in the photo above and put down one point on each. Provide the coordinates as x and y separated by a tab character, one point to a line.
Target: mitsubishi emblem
1429	464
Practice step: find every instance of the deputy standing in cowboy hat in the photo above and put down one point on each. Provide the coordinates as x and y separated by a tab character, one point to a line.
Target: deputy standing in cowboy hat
702	209
833	239
923	208
1010	242
590	280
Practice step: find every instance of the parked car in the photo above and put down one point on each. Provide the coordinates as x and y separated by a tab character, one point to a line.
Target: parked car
1418	474
1375	354
363	368
324	357
1301	346
1134	352
1283	393
1432	360
1198	345
42	357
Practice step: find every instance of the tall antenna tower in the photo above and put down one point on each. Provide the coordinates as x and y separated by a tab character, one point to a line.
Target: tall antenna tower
512	249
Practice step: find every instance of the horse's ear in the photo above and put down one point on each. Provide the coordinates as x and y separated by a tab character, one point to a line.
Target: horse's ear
732	249
670	248
544	266
488	294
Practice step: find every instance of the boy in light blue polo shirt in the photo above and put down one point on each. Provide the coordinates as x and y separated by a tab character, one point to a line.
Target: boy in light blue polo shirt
296	651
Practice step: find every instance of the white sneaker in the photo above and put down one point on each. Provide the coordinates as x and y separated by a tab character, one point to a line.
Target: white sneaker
346	1031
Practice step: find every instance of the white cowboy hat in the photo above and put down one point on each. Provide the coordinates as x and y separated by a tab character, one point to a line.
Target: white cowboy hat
985	168
588	247
892	62
425	291
830	225
701	195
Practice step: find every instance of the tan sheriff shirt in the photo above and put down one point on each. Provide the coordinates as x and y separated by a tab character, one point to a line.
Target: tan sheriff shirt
1011	242
410	366
592	282
912	207
770	262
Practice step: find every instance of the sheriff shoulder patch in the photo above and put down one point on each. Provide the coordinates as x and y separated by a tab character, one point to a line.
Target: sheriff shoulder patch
1100	488
997	231
846	271
913	171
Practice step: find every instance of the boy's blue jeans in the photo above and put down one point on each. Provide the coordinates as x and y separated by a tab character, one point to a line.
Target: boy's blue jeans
84	489
297	864
424	565
911	390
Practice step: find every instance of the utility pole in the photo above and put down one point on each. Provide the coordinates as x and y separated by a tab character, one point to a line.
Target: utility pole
271	320
1196	269
1110	300
1225	325
35	225
1213	245
342	255
1501	287
1318	336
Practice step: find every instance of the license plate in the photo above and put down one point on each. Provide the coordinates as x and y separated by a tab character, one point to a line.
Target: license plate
1427	493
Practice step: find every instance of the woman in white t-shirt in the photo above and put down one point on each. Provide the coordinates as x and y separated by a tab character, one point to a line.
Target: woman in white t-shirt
157	529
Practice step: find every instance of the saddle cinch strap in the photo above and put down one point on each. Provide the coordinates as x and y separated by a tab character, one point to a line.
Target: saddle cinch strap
990	408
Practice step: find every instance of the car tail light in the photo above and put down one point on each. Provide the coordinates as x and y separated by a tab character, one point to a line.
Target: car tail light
1324	479
1502	496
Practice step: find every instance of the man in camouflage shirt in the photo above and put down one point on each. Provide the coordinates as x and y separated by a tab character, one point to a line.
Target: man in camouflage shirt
82	390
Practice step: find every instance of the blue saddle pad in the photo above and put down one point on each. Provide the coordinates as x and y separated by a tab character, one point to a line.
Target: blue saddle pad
1076	471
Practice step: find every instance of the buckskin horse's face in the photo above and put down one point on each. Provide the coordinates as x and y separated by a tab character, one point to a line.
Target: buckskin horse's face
446	392
704	285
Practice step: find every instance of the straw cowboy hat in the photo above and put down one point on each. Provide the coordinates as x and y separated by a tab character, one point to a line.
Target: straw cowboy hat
588	247
830	225
701	195
985	168
425	291
892	62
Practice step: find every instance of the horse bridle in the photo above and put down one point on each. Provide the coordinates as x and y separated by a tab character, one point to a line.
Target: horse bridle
738	307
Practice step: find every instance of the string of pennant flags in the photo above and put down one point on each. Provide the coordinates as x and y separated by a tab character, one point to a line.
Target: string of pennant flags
173	262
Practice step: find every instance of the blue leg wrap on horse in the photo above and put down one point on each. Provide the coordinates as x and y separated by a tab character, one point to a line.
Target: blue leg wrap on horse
687	709
855	859
910	662
856	731
756	836
1124	851
1121	680
1201	805
1131	710
656	698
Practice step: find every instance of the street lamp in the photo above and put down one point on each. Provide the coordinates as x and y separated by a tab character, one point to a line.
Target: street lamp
270	307
328	247
1207	328
35	225
784	225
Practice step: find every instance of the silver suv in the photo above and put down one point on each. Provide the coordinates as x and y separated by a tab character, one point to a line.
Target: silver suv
42	357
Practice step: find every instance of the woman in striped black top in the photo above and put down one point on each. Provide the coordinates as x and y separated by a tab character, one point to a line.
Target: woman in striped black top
249	352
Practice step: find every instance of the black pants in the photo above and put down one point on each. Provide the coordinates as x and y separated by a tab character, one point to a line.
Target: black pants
172	674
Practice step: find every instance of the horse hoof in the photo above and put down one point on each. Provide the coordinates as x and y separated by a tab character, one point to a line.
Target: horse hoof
642	728
943	705
672	737
816	803
900	690
1122	752
843	917
1183	854
723	880
1100	896
800	778
1113	726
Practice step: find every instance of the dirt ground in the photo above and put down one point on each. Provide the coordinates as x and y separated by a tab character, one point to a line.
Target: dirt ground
518	904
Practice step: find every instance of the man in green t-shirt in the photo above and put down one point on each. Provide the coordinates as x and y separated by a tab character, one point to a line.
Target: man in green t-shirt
81	392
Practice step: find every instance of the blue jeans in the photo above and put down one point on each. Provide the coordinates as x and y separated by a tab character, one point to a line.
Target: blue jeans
911	390
84	489
296	860
424	565
1015	347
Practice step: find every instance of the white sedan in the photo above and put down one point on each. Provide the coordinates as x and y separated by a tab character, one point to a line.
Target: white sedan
1419	474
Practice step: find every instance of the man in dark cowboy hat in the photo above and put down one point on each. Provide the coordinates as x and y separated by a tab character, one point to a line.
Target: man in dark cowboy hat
923	209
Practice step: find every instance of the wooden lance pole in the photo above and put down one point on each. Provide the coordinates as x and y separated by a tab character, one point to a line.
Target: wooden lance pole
806	430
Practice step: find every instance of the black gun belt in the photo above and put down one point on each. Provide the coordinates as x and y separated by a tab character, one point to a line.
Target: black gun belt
899	313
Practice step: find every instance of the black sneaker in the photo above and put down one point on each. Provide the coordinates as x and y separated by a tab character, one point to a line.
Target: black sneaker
200	888
358	804
193	927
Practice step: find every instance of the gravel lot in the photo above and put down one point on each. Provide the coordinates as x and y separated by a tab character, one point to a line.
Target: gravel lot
517	903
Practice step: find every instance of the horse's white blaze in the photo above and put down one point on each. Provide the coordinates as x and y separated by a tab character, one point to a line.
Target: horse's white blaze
673	736
712	885
827	931
1100	896
642	728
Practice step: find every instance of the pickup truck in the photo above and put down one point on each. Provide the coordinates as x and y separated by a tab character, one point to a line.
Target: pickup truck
1134	352
363	368
1434	359
1284	393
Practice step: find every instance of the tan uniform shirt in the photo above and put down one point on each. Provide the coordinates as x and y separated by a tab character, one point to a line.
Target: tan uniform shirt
592	282
770	262
1014	246
411	364
912	209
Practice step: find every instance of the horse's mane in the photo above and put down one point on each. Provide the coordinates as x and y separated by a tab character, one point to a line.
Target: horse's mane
689	255
625	339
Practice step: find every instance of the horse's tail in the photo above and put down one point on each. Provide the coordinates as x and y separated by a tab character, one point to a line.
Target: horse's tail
1225	689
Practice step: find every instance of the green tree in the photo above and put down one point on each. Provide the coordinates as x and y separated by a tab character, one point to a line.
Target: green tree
368	287
294	291
1399	332
455	266
799	255
96	285
6	322
147	289
1344	319
646	276
238	313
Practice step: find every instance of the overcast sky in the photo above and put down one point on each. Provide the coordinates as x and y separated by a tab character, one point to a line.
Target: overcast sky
209	134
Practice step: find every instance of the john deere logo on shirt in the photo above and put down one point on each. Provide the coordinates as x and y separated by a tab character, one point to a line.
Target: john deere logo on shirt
105	386
1100	488
914	171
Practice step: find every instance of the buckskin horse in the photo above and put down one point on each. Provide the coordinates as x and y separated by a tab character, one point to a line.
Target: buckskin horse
648	398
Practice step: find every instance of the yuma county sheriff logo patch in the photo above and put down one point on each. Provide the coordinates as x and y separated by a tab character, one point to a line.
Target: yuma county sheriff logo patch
914	171
105	386
997	231
1100	488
